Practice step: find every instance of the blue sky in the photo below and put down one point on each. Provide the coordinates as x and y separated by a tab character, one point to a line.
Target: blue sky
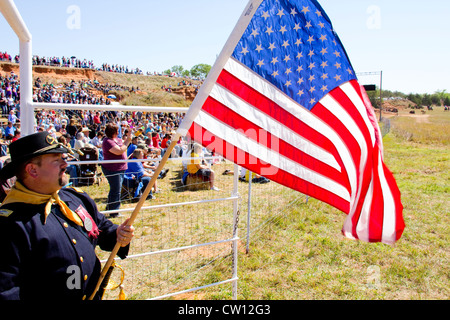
407	39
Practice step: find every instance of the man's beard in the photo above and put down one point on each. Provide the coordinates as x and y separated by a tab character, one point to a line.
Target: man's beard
63	180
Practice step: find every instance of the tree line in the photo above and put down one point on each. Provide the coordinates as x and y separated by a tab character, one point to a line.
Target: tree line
439	98
199	71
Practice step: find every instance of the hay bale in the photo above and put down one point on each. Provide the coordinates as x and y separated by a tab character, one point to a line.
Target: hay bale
194	183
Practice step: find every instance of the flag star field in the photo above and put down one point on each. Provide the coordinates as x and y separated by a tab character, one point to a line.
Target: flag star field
296	49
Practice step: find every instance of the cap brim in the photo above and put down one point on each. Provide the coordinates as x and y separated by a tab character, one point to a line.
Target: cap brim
10	169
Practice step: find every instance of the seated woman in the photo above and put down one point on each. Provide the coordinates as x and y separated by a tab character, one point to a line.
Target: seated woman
137	169
198	168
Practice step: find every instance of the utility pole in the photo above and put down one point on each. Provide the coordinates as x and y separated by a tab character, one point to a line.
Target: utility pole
381	95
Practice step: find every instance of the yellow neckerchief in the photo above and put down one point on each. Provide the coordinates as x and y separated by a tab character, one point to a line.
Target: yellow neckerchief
19	193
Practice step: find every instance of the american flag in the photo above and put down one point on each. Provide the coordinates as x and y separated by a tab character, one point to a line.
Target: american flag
283	101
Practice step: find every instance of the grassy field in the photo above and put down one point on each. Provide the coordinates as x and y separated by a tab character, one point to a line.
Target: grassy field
296	249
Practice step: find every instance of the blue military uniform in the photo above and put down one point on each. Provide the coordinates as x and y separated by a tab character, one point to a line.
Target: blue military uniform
51	258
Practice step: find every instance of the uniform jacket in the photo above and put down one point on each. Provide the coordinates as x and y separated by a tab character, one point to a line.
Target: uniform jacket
55	260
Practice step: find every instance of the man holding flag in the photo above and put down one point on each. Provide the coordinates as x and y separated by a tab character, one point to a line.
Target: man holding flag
48	232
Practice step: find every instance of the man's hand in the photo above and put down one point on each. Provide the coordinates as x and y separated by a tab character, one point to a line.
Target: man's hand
124	234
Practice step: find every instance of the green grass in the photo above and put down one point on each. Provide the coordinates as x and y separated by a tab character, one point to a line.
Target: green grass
428	128
302	255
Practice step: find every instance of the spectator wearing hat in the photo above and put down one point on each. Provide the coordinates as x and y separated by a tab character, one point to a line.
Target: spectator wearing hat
87	133
80	143
48	232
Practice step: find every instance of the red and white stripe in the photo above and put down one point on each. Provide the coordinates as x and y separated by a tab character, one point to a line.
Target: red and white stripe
332	153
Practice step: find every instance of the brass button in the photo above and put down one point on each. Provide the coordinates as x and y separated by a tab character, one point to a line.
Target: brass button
81	259
74	241
85	277
65	225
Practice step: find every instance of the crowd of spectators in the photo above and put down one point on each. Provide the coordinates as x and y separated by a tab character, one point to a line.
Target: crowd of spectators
119	69
182	83
4	56
72	62
9	93
86	128
73	92
151	132
77	92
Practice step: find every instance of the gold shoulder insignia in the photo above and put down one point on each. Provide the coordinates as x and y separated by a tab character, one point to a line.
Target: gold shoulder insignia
5	213
79	190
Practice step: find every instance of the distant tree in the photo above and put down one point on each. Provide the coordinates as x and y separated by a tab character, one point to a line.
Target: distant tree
374	97
426	99
435	99
200	70
441	95
186	73
416	98
177	69
399	94
447	101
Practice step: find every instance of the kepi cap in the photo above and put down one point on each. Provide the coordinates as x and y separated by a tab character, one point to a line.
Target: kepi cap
28	147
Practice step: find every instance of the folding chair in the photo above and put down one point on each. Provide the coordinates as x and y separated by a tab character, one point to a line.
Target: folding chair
132	188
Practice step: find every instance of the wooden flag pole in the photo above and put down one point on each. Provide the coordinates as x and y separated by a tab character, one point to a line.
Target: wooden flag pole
136	211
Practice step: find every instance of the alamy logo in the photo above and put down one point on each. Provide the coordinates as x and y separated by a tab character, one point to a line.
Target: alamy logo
373	277
374	20
74	280
74	19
